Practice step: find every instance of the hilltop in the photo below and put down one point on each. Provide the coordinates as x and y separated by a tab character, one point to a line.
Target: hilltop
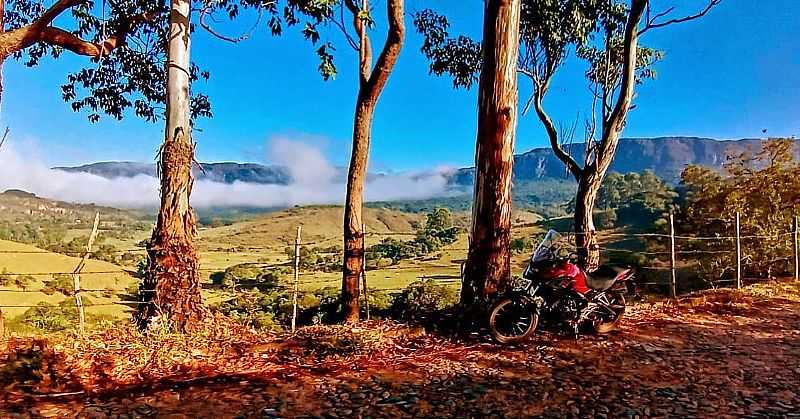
21	206
318	222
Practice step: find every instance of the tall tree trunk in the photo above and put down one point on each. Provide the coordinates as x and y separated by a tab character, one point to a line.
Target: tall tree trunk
172	281
488	266
591	177
585	232
371	84
354	203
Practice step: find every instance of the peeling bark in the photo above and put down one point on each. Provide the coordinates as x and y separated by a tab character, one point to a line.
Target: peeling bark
488	267
172	286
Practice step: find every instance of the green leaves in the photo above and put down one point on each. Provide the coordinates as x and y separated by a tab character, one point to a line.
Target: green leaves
548	29
326	66
459	57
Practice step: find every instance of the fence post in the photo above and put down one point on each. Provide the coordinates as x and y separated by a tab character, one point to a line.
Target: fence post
364	266
673	284
738	252
296	278
796	238
2	325
76	274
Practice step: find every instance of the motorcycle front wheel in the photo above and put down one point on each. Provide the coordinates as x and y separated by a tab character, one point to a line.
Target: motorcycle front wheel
512	321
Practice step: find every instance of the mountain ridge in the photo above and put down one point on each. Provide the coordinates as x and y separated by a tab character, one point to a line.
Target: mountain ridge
666	156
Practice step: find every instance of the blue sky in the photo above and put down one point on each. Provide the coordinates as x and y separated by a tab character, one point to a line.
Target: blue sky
729	75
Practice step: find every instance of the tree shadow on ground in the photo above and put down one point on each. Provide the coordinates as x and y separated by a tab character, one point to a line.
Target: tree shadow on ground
697	362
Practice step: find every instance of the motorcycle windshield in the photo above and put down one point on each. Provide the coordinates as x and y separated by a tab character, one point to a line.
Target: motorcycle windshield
547	248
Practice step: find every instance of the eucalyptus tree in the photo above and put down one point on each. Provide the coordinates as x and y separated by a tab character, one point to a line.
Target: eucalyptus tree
603	33
171	285
353	19
489	259
127	42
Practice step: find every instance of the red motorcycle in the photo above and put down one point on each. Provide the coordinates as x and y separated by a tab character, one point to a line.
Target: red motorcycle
556	290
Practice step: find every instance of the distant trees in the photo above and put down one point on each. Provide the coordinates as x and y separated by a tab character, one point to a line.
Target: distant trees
764	187
437	232
636	199
603	33
172	277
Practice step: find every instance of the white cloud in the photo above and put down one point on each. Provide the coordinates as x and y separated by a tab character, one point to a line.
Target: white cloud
315	181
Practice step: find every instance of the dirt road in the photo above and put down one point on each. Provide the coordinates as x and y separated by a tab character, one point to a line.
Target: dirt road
713	360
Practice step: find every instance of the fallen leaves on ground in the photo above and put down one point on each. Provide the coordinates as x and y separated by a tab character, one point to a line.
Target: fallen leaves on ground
716	353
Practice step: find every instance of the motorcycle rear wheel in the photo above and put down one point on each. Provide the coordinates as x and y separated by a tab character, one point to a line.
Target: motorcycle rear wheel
511	321
618	305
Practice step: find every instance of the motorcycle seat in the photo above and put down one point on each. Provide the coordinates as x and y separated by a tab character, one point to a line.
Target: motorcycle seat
604	277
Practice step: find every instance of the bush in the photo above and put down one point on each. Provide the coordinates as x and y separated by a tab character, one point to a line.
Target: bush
19	281
272	309
321	259
59	283
52	318
24	281
253	309
422	299
6	279
247	274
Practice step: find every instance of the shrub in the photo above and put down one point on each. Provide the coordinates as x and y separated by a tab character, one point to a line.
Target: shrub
52	318
321	259
422	299
247	274
6	279
24	281
248	309
59	283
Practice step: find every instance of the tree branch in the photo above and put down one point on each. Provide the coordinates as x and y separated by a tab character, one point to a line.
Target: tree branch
652	24
41	31
340	23
59	37
616	120
391	49
552	134
246	35
364	46
54	11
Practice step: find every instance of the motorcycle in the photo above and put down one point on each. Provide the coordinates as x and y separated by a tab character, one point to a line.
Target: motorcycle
556	290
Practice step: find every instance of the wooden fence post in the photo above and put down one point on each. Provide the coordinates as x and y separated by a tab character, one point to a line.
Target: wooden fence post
364	267
796	238
76	274
296	278
673	284
2	325
738	251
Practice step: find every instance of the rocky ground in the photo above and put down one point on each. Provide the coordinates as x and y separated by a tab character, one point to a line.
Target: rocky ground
724	354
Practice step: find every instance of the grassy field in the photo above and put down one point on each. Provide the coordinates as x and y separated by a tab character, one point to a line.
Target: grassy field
21	259
259	240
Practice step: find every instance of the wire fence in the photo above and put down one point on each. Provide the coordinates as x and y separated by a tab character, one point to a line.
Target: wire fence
664	260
